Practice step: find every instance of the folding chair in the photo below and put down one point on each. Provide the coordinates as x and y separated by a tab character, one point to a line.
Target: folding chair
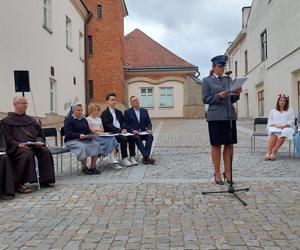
62	134
258	121
56	150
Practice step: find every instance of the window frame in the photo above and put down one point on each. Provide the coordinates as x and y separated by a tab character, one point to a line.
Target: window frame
261	102
264	45
47	15
81	46
160	95
90	45
152	104
246	61
69	33
53	96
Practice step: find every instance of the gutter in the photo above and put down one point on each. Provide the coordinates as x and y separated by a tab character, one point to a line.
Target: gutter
237	40
159	69
86	69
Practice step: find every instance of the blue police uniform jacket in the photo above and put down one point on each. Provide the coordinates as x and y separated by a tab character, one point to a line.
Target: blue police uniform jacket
218	109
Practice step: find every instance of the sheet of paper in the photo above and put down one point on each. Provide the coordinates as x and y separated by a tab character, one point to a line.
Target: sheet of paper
126	134
144	133
238	82
108	135
274	130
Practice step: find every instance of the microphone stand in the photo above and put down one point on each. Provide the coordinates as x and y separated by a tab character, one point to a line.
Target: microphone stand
231	188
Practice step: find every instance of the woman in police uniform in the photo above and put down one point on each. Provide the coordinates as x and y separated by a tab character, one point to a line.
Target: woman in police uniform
215	92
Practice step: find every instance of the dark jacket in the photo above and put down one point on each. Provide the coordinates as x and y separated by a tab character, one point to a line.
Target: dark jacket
107	121
218	109
20	128
74	127
132	122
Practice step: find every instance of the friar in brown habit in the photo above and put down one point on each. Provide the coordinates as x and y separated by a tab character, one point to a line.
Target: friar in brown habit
7	187
21	128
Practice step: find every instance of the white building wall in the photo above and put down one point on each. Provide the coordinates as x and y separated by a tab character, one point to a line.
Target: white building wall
280	72
134	87
26	45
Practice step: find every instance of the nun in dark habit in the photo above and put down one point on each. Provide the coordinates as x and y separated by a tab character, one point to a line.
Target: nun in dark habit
7	187
21	129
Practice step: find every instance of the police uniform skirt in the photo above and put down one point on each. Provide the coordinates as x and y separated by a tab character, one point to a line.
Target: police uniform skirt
220	132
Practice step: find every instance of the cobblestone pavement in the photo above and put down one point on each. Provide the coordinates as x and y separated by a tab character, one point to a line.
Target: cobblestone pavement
162	206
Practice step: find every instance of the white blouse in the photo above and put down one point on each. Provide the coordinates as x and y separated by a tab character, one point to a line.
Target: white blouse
282	118
95	122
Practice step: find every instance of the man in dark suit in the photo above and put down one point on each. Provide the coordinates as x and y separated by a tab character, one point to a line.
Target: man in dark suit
138	122
113	121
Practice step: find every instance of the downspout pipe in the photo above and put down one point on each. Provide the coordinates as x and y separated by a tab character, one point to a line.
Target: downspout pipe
86	67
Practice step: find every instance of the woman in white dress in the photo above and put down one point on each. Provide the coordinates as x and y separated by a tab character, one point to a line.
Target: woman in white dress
108	143
280	126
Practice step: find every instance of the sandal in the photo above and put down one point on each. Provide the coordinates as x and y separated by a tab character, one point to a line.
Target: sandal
24	190
267	157
272	157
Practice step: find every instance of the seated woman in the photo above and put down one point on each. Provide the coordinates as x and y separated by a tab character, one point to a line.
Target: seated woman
108	144
280	126
79	140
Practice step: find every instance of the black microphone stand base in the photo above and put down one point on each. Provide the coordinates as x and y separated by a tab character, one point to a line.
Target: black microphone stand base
231	190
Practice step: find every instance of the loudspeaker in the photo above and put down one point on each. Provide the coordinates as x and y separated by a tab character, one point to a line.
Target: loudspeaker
22	81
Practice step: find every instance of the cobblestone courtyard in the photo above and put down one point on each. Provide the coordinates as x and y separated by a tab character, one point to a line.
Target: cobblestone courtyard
162	206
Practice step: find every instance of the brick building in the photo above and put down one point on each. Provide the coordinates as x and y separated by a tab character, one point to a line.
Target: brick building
105	49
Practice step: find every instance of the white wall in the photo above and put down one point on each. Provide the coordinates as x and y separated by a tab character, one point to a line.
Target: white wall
277	73
157	112
26	45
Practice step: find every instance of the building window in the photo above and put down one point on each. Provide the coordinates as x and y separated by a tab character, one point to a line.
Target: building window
264	50
69	33
246	62
260	97
235	69
99	11
147	98
81	46
53	103
166	97
90	45
47	15
91	89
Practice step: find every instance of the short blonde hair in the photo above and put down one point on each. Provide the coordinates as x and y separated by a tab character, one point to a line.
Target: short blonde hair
92	106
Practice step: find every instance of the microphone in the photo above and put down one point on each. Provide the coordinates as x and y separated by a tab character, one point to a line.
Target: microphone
228	73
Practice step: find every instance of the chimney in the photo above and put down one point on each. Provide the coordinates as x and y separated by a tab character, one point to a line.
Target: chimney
245	15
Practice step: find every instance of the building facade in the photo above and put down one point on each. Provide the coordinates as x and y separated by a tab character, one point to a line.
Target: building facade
267	52
105	50
164	82
45	38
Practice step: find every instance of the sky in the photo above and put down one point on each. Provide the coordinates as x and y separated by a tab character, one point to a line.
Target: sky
195	30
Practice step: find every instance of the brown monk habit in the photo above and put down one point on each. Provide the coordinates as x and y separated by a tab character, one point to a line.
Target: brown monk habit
6	177
21	128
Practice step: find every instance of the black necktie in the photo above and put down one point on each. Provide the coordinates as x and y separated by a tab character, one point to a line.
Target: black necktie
220	78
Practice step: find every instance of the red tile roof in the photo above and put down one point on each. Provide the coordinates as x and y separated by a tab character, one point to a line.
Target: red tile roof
142	51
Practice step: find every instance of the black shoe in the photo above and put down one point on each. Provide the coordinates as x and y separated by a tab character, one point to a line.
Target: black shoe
87	171
227	180
95	171
218	182
145	161
151	161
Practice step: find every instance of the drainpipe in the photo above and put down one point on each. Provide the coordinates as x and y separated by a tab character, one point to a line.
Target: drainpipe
86	69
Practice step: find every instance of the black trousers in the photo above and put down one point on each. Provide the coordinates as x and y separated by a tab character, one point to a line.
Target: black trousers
123	140
144	149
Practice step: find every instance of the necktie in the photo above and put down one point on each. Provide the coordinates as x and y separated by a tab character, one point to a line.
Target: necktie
220	78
